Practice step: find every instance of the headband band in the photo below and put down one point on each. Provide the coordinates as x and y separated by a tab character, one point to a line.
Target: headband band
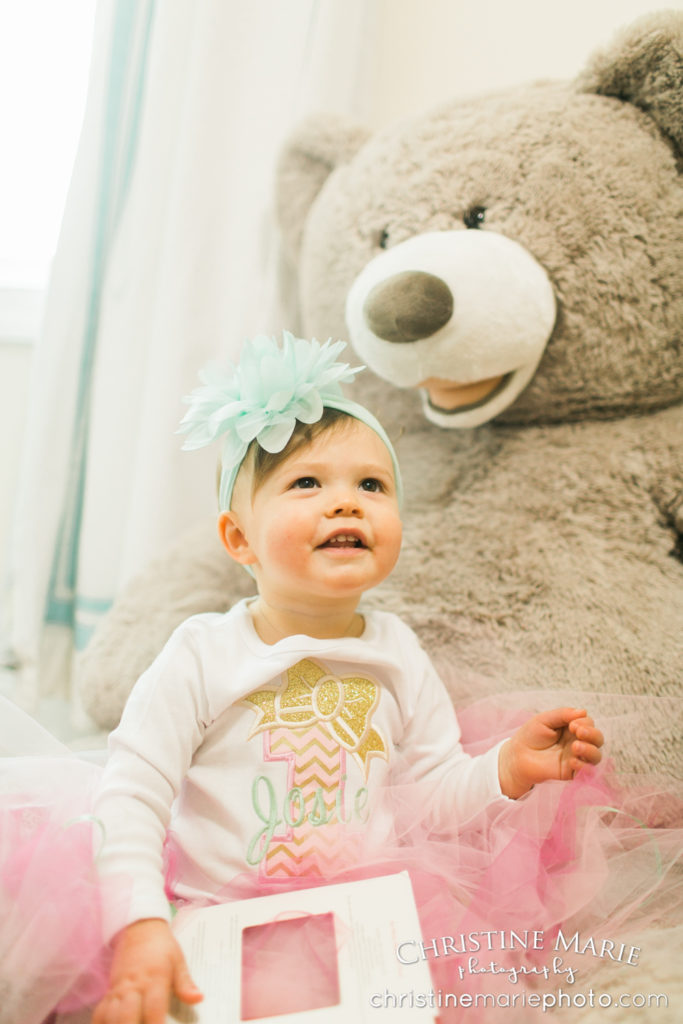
262	398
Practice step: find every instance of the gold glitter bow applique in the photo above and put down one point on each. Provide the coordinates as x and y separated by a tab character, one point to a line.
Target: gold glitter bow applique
310	694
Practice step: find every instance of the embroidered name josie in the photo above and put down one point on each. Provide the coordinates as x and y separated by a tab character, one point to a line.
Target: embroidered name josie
294	813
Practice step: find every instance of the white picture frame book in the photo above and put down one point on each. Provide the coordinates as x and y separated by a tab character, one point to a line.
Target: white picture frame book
340	964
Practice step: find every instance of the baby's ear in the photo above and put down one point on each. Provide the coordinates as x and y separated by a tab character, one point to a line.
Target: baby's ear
234	539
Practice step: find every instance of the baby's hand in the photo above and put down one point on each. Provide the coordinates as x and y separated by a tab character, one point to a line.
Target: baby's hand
148	965
553	745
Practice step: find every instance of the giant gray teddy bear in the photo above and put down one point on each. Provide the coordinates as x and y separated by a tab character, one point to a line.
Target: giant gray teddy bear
509	266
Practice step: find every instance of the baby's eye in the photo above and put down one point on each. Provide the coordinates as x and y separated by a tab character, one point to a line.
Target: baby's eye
371	484
306	482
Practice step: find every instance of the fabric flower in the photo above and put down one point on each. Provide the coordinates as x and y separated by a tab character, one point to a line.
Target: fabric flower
263	396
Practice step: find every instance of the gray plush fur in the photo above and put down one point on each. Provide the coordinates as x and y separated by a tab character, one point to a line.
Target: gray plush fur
543	550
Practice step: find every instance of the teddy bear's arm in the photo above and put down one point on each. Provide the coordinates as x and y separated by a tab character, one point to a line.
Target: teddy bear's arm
658	469
668	497
195	575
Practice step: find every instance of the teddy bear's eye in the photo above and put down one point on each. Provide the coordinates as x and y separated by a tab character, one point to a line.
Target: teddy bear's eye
383	239
475	216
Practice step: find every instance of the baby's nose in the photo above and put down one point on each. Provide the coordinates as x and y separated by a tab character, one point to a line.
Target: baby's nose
345	506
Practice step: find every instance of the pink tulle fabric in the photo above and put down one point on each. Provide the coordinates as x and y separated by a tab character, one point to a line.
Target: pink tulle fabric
600	855
51	951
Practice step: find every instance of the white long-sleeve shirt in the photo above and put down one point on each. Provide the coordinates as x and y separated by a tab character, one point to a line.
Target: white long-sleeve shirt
267	758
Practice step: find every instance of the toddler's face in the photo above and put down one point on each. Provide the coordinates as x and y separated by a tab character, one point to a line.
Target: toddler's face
325	523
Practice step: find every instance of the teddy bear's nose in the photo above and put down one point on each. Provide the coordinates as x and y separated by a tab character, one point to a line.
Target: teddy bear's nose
408	306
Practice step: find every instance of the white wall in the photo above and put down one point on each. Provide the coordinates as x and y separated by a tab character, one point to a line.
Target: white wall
427	50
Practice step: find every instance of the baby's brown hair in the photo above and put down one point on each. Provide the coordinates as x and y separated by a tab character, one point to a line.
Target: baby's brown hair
263	463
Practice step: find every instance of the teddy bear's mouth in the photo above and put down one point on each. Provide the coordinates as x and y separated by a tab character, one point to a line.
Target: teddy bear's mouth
448	396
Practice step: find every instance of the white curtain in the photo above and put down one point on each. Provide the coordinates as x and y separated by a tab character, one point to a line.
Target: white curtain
164	261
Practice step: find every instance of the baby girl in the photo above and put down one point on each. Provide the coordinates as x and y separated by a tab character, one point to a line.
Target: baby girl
219	736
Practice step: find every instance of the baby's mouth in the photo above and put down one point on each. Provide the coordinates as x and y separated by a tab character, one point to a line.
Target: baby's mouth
343	540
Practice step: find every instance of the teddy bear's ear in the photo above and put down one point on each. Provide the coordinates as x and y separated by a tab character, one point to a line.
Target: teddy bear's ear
308	157
644	66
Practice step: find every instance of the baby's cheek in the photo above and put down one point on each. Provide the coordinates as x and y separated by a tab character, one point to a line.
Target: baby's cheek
283	535
396	530
392	541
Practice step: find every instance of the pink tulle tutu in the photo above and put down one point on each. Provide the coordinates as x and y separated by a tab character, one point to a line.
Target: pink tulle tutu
51	951
592	858
598	856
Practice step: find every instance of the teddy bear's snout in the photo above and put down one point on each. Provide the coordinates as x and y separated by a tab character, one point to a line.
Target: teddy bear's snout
478	308
408	306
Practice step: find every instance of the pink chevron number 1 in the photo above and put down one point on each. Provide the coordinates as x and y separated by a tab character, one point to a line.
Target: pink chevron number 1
312	722
316	781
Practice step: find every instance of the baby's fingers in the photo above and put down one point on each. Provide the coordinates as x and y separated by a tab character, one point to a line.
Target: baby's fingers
136	1003
586	731
119	1008
183	985
583	754
155	1004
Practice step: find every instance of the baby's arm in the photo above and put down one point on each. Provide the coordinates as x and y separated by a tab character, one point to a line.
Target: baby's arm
148	966
552	745
149	755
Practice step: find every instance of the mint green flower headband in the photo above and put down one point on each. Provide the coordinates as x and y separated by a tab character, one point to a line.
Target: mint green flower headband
264	395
